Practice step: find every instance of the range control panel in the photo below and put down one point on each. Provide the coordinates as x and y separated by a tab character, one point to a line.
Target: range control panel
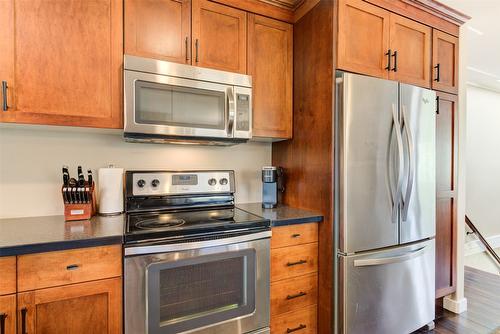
164	183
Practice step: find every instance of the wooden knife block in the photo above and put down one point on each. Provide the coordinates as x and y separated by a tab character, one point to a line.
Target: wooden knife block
80	211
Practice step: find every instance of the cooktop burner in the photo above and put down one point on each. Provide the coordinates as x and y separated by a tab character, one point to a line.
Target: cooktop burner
159	225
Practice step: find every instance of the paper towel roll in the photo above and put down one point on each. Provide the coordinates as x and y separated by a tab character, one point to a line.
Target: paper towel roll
110	185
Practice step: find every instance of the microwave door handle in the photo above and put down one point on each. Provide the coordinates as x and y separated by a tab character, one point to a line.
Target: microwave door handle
230	111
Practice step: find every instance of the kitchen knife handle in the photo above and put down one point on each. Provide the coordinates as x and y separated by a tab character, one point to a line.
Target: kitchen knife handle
3	316
290	264
291	330
24	312
5	106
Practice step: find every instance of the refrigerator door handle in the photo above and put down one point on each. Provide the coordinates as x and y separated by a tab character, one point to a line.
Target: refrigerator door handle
411	161
389	260
399	184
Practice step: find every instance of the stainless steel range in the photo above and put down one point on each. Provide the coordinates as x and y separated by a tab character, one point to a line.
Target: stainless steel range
193	262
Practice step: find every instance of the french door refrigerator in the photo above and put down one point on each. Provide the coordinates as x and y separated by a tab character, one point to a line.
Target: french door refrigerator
384	205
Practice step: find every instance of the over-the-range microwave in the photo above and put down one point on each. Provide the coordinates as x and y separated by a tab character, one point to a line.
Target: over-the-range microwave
170	102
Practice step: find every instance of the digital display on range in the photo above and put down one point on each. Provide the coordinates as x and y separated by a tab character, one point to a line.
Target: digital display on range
184	180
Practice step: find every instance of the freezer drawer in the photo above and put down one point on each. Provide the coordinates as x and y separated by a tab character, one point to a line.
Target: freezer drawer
387	292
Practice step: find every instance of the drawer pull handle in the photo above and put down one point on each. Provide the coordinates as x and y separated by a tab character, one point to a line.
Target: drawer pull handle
289	264
72	267
291	330
296	235
2	322
24	311
300	294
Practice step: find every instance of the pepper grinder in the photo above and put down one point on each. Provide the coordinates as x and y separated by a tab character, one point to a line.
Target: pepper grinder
271	176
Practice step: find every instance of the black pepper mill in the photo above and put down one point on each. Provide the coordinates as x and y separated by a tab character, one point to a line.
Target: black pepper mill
272	178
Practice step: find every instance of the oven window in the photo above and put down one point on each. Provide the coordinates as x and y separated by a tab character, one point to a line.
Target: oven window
200	291
163	104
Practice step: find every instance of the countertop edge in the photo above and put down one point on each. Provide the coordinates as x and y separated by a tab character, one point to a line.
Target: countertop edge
60	245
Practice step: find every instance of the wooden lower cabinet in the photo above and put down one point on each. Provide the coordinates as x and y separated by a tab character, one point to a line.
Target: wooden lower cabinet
302	321
8	275
8	314
91	307
294	279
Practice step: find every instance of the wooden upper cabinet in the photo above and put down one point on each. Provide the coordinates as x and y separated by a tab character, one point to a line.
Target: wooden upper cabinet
270	64
363	38
219	36
446	201
444	62
159	29
92	307
66	63
410	44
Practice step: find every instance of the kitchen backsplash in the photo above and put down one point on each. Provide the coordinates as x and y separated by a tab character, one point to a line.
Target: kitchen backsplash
31	158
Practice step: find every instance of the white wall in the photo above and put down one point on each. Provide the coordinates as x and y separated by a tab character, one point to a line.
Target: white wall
483	159
31	158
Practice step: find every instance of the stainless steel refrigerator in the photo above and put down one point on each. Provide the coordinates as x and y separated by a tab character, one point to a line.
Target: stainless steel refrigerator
385	205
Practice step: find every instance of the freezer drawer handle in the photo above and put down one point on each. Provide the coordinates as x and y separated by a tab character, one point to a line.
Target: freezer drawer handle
289	264
291	330
297	295
388	260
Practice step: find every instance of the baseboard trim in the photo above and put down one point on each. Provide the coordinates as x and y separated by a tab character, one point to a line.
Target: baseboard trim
455	306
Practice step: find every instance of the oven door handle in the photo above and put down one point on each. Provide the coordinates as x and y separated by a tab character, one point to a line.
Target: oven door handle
152	249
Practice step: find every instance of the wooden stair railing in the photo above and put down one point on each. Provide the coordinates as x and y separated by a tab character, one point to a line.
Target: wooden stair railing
482	239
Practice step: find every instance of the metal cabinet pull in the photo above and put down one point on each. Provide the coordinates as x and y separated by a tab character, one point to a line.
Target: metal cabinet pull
72	267
437	67
4	94
290	330
3	316
437	105
289	264
395	55
295	235
196	44
187	54
388	54
24	311
300	294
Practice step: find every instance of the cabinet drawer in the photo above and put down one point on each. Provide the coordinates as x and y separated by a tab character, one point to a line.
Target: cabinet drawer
42	270
294	235
293	261
300	322
8	276
294	294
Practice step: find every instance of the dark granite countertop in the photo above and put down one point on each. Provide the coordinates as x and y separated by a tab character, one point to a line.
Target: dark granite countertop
42	234
282	215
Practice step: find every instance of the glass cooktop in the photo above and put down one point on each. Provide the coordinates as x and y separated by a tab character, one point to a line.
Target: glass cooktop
159	225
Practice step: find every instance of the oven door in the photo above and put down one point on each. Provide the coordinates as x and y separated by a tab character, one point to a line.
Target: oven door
171	106
199	288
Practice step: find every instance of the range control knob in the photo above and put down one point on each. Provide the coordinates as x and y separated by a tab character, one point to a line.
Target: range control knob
212	182
155	183
141	183
223	181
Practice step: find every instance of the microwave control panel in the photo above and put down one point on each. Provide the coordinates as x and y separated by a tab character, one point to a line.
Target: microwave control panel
242	112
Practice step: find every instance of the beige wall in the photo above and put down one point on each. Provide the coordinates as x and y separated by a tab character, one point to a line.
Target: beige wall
31	158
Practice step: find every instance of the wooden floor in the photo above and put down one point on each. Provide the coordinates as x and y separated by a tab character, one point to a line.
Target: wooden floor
482	291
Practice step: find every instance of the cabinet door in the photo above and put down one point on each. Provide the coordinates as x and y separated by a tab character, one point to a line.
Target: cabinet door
68	62
363	39
270	65
410	43
93	307
159	29
8	314
446	178
8	275
219	36
444	62
7	58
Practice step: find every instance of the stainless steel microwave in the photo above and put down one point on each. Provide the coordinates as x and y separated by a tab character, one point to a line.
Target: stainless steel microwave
170	102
